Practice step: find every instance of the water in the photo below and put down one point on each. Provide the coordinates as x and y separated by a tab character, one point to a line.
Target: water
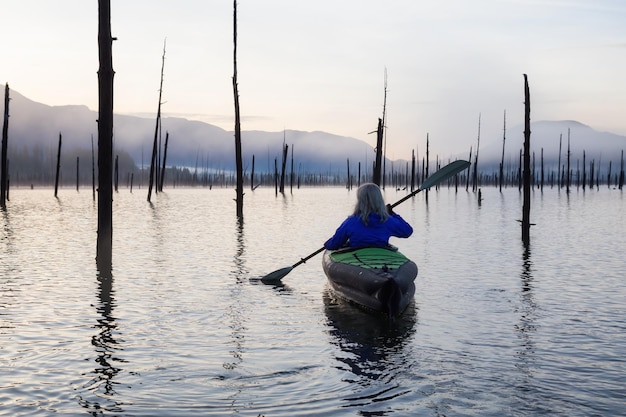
184	327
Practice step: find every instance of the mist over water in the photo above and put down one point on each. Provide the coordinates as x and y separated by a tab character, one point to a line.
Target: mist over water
183	326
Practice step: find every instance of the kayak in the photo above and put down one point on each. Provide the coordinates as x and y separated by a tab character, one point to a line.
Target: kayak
378	279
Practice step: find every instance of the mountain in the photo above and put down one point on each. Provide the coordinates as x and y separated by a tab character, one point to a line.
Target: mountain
190	142
37	126
549	136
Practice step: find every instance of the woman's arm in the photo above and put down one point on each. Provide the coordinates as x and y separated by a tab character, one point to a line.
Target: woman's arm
398	226
340	237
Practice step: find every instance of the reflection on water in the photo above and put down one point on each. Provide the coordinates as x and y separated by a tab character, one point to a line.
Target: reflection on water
236	317
372	349
102	382
527	316
180	330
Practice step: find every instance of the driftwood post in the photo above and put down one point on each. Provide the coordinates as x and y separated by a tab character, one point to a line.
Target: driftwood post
105	137
56	178
4	175
526	202
77	172
238	156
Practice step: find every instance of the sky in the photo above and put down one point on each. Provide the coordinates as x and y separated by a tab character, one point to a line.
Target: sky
321	65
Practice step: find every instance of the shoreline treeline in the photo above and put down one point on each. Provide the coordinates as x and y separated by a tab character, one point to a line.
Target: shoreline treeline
37	168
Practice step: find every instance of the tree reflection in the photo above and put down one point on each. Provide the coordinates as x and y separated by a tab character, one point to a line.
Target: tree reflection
234	313
102	382
526	327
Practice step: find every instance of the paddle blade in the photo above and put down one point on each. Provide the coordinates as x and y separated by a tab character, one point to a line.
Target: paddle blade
444	173
276	276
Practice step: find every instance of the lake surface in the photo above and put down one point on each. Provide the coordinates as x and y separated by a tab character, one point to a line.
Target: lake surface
183	326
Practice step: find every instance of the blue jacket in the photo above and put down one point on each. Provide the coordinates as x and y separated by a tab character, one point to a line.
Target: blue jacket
375	234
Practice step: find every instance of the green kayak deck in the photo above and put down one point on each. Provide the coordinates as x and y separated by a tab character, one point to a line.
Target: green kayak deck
370	258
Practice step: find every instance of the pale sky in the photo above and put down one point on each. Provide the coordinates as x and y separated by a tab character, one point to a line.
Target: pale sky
320	65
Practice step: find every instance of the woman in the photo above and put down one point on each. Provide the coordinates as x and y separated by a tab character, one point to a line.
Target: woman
371	224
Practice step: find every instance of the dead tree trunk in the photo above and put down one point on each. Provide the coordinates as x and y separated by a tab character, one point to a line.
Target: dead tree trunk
275	176
291	176
252	187
379	151
542	171
558	168
412	170
427	163
383	174
621	172
153	160
526	202
467	179
56	178
475	175
584	169
283	167
93	171
238	156
501	175
116	173
105	137
4	175
567	180
162	180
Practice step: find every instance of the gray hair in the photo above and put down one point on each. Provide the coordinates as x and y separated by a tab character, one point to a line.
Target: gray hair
369	199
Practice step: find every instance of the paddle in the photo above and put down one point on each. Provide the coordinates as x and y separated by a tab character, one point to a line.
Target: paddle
444	173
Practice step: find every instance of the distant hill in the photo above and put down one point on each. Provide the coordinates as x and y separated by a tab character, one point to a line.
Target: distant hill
548	136
191	142
37	126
